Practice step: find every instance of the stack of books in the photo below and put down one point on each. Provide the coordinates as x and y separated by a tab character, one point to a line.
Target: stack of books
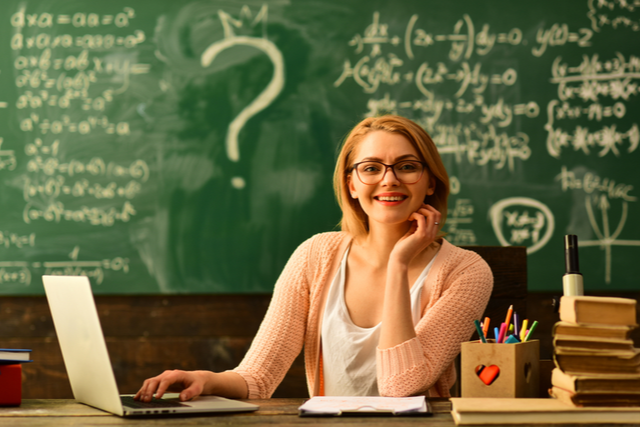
596	361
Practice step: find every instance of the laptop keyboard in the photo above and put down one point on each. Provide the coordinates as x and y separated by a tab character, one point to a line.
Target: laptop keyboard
155	403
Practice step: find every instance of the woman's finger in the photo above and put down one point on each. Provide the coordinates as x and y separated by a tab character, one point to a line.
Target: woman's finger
431	212
147	390
194	390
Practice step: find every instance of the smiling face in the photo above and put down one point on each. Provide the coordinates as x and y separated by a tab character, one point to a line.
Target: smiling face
389	201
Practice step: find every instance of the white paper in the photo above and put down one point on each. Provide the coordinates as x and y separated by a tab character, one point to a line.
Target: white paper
339	404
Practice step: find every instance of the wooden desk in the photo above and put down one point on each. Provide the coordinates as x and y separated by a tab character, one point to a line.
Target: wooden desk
276	412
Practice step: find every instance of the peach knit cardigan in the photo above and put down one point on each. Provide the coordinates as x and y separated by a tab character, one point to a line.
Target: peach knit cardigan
460	283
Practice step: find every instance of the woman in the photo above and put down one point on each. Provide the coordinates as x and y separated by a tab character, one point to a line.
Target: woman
381	307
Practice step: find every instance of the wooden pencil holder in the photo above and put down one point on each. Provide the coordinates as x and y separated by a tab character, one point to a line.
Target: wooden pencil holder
500	370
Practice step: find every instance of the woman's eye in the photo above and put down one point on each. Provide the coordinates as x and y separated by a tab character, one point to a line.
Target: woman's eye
406	167
370	168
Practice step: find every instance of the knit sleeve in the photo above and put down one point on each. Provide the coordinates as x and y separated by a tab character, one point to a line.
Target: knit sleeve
281	335
414	366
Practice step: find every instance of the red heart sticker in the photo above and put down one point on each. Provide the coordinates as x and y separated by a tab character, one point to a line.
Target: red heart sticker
488	374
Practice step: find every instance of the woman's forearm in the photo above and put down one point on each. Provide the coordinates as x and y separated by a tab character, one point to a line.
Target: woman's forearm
397	323
226	384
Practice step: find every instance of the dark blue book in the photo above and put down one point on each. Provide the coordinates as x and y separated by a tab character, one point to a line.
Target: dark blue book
11	355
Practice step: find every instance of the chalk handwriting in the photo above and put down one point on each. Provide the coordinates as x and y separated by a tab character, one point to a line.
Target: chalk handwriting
617	14
268	94
56	212
589	82
559	35
481	147
459	217
7	158
528	222
605	238
591	182
8	239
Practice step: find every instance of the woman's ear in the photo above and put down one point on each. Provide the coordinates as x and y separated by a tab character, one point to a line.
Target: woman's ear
352	188
432	186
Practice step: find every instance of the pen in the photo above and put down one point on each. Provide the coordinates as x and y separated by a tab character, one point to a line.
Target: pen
480	333
516	323
503	330
533	328
523	331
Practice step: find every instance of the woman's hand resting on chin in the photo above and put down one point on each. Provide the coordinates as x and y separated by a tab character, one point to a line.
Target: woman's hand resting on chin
423	232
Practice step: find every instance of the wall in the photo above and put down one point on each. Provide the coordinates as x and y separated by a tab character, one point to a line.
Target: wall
187	147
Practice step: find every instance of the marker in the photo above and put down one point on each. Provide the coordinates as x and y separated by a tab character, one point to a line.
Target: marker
485	326
480	333
496	332
511	328
523	331
509	313
503	330
533	328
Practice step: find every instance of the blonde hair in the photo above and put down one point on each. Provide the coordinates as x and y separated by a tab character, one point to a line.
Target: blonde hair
354	220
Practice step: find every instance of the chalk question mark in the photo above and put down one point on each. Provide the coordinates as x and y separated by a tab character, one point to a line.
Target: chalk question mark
261	102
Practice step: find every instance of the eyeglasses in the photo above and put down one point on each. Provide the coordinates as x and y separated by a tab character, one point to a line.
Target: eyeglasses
406	171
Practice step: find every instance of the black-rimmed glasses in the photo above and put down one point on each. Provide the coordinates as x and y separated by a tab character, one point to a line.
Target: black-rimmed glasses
406	171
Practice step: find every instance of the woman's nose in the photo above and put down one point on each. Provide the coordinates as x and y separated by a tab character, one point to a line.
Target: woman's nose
390	178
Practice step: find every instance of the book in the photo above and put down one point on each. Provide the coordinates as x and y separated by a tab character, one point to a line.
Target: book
609	383
598	310
365	405
572	343
596	363
483	411
10	384
620	332
603	399
10	355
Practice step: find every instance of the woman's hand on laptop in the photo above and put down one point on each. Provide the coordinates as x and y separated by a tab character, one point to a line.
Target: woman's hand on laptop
191	384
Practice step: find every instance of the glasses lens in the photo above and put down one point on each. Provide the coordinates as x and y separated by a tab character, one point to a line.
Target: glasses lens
370	172
407	172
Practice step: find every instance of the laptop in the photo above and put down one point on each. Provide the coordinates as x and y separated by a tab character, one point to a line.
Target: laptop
87	361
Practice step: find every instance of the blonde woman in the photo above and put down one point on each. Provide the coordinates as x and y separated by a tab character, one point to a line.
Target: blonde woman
381	307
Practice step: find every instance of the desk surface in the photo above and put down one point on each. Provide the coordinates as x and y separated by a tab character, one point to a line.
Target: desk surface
277	412
64	412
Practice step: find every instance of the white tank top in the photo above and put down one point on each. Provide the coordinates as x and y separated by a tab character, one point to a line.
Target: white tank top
349	351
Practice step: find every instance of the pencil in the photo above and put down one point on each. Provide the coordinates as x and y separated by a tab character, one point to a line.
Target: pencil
509	313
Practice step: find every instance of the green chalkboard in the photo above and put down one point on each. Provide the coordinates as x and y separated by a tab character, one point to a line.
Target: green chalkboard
188	147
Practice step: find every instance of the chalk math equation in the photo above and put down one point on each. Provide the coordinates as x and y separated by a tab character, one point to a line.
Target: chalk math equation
446	81
70	73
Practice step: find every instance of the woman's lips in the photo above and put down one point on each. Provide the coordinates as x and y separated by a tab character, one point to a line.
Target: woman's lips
390	199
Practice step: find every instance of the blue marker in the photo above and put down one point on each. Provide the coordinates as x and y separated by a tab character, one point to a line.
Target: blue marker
496	331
